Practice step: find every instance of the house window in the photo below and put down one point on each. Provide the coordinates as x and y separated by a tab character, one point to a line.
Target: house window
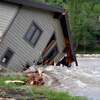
7	57
51	50
50	44
33	34
51	53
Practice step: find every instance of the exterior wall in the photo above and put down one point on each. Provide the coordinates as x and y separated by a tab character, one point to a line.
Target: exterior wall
7	13
24	52
60	40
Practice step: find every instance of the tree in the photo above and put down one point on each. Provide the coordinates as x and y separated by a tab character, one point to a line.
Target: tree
81	15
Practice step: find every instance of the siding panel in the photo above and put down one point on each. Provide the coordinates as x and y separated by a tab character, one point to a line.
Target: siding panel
7	12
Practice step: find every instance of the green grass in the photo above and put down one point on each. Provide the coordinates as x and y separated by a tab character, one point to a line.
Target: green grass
12	85
88	50
54	95
39	92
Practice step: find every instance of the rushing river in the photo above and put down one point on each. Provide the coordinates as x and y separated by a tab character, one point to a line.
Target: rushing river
83	80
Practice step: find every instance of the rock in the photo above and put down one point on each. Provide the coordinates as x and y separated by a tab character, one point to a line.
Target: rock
2	69
31	69
6	99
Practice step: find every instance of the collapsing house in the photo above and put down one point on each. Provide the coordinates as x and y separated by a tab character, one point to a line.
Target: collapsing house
30	31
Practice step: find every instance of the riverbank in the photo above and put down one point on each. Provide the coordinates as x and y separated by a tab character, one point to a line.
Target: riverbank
17	91
81	80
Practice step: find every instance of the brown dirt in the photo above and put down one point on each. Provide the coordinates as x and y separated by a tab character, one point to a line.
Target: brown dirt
17	94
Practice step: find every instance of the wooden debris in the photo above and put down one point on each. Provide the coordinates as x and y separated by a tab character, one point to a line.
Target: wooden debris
33	78
36	78
15	81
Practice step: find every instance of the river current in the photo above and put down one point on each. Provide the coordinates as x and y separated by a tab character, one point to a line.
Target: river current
83	80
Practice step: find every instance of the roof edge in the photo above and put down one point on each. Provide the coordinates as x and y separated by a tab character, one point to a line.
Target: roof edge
37	5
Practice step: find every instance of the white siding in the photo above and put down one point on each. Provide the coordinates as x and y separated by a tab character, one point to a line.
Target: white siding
24	52
60	40
7	12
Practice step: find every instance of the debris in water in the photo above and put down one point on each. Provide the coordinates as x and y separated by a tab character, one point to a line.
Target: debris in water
36	78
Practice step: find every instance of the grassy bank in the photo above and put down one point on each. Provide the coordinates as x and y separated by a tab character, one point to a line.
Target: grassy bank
26	92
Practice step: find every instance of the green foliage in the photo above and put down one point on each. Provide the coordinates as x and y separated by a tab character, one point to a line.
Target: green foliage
84	22
88	51
83	19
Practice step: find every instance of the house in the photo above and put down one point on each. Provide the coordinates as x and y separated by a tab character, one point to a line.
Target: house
30	31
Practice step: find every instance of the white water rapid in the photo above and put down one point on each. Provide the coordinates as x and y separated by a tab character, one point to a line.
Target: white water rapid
83	80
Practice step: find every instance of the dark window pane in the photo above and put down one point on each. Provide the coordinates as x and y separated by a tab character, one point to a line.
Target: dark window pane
6	58
52	53
35	36
31	32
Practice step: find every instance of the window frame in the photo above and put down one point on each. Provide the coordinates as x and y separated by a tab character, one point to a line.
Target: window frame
5	54
49	51
37	28
54	34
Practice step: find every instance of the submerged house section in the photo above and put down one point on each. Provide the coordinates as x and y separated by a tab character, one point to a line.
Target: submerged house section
69	49
7	14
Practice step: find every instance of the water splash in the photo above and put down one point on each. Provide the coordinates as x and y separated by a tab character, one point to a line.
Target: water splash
83	80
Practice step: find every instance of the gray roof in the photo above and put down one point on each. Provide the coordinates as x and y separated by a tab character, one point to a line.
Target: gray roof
37	5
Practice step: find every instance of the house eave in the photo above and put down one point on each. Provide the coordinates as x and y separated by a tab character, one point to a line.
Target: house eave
37	5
